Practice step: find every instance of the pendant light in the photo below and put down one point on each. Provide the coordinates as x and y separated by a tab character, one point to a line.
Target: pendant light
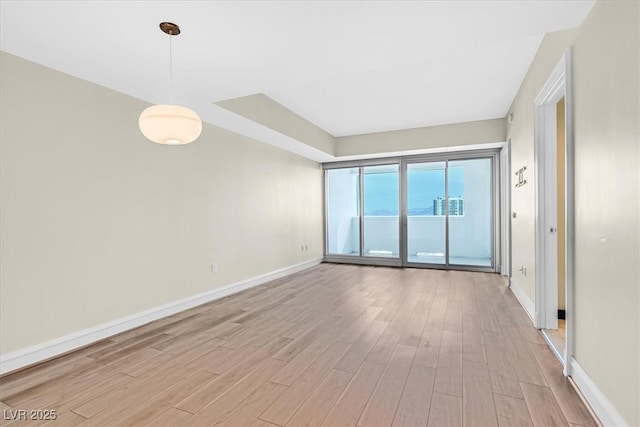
167	123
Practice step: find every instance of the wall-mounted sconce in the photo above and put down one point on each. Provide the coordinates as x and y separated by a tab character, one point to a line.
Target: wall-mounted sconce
520	177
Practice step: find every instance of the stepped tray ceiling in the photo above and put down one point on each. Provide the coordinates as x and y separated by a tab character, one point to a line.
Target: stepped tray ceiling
349	67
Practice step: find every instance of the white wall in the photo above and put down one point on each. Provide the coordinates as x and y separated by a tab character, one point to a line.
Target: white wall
607	194
264	110
97	223
427	234
381	233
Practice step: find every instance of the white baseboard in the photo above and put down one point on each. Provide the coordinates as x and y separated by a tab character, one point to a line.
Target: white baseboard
40	352
604	410
523	299
559	353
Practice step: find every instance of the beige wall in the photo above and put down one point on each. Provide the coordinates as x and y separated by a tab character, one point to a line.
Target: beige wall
434	137
607	140
98	223
607	194
520	130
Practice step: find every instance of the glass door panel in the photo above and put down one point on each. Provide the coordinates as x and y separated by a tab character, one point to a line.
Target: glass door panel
470	216
446	207
343	211
426	218
381	192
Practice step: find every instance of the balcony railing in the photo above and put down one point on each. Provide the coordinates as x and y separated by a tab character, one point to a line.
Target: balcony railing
426	238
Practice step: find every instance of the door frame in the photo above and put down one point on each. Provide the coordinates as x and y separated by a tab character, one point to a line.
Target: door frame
505	209
558	85
400	261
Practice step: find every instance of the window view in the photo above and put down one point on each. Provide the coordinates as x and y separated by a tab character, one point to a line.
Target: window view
381	211
343	222
426	190
449	218
470	241
426	226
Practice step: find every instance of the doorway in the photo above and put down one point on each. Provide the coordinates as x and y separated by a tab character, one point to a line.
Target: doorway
554	212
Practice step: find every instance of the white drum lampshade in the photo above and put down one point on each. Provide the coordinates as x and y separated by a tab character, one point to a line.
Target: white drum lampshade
170	124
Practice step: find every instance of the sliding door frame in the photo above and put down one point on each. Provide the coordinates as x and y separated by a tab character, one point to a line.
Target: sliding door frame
402	162
405	206
362	259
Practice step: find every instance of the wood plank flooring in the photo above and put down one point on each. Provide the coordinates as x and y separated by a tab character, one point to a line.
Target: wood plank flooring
334	345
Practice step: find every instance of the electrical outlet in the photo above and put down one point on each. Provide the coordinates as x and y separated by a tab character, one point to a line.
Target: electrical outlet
306	247
523	270
301	248
214	267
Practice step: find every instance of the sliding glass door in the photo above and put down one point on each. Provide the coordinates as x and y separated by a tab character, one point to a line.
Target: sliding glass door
432	211
363	211
449	213
381	211
342	198
426	223
470	205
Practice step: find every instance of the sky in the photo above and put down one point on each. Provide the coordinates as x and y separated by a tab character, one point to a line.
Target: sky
381	189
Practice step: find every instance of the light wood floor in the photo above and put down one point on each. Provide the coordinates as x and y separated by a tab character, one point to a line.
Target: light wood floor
334	345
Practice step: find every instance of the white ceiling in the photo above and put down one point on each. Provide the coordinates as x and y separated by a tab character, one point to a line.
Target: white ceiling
350	67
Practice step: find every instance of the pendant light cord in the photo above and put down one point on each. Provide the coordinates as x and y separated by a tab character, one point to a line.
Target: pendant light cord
170	70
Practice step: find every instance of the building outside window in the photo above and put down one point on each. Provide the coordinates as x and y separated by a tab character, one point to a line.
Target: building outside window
456	206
